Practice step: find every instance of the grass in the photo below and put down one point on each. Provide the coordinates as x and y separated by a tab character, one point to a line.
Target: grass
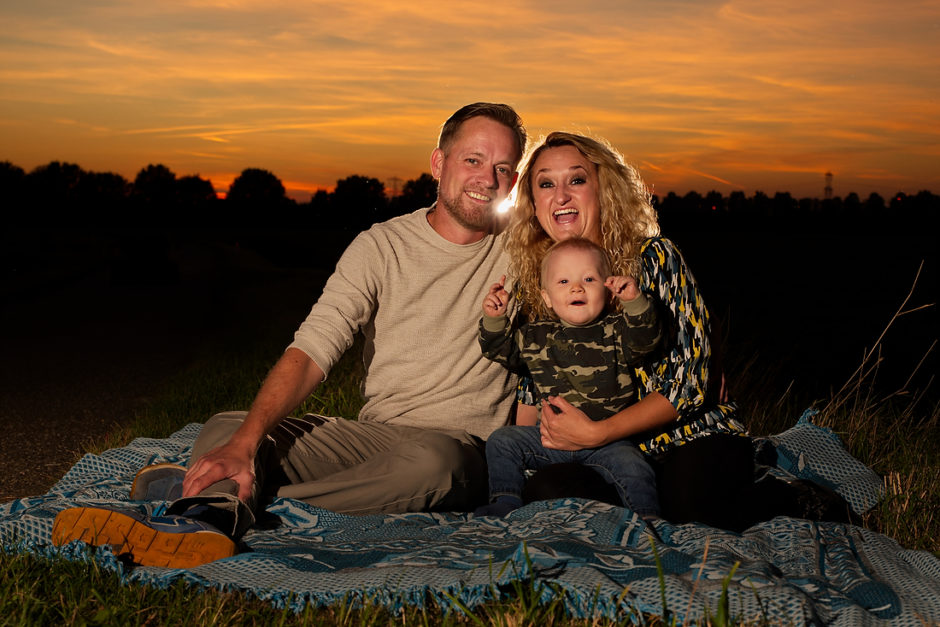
896	434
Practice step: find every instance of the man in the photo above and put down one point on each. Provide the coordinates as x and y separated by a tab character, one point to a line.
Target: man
412	286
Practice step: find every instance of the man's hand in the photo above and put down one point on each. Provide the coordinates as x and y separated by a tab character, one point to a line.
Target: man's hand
494	303
228	461
567	428
623	287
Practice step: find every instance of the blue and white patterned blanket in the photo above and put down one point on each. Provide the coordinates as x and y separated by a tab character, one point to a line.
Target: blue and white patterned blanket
597	557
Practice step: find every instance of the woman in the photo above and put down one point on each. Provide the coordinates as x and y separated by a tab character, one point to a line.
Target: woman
576	186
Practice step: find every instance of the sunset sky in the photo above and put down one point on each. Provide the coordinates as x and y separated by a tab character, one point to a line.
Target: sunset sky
739	95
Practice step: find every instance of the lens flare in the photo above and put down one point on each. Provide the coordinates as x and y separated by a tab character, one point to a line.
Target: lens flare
507	204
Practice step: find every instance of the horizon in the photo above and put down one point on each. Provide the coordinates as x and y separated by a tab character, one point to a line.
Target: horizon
736	95
390	192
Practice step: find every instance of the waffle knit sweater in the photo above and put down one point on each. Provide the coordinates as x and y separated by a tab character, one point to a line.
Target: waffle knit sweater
416	299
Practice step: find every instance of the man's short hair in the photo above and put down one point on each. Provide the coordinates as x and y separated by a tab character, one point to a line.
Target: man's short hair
504	114
577	243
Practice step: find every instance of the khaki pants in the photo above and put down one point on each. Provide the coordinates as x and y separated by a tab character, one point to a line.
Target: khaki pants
349	467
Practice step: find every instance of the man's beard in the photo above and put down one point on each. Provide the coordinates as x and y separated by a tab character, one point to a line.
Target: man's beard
473	218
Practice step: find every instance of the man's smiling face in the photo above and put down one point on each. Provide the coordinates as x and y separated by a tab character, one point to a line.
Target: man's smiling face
476	172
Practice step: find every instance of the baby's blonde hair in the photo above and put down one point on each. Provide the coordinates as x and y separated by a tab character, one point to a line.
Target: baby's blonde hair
576	243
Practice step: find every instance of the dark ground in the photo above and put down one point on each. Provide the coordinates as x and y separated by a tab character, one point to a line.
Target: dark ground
85	344
83	350
806	305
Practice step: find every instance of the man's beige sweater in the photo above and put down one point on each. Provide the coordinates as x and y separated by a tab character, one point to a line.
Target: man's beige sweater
416	298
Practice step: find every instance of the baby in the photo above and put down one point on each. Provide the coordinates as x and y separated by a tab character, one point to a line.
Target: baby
585	356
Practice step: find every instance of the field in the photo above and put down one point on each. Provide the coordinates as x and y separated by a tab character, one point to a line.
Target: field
825	349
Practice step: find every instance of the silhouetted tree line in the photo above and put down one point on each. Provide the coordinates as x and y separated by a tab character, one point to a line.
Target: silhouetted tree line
74	197
60	217
64	195
139	221
757	213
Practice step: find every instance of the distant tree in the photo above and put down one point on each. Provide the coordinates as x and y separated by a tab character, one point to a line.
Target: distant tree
197	204
416	193
52	186
737	202
12	186
154	189
808	206
922	211
11	176
194	191
714	201
926	200
898	200
316	214
784	204
670	213
694	214
359	201
320	201
105	193
833	207
672	200
692	201
760	203
875	203
926	196
852	203
255	188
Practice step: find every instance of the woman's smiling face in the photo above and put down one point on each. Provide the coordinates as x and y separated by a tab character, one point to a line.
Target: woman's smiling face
564	188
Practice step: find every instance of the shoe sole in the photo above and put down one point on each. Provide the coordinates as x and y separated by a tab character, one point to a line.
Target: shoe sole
141	482
146	546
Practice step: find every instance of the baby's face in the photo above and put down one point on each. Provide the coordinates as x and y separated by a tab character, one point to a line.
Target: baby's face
573	286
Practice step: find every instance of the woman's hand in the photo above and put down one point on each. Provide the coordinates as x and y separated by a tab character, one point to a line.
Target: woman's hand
569	429
572	430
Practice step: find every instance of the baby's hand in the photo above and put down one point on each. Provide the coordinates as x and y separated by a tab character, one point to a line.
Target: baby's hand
623	287
494	303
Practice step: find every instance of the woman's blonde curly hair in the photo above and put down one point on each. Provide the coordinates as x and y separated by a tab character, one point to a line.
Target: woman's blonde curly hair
627	218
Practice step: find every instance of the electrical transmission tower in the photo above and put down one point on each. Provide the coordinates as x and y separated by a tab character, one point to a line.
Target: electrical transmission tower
394	186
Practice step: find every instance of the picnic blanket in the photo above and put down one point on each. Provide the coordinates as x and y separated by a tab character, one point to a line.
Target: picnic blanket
596	557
